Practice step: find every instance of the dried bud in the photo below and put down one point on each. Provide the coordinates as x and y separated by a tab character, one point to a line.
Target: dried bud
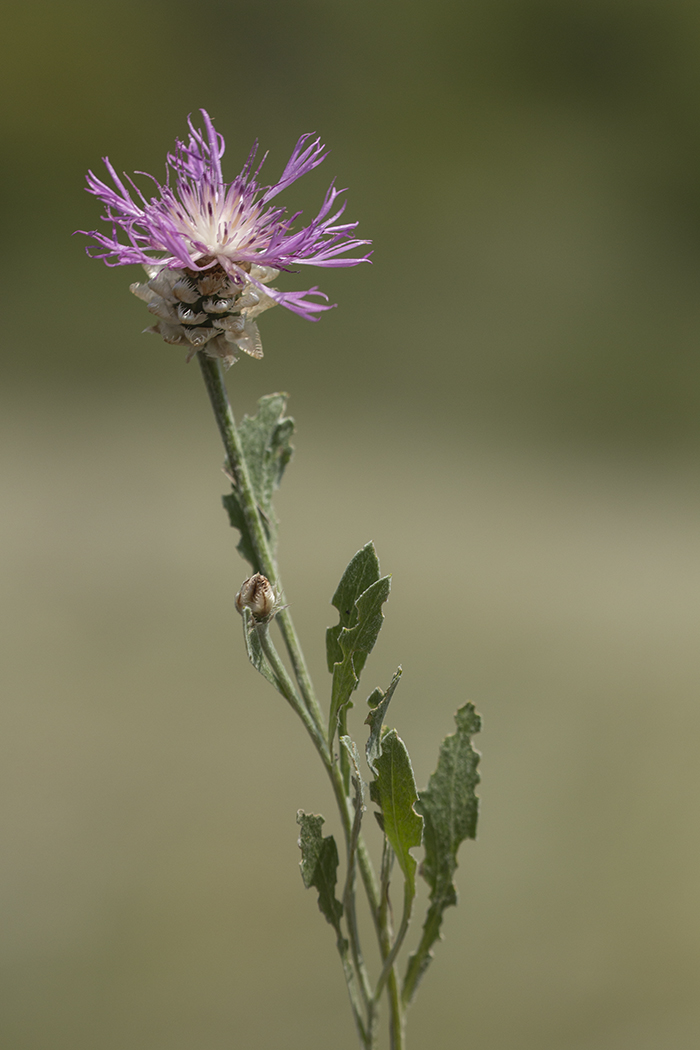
257	594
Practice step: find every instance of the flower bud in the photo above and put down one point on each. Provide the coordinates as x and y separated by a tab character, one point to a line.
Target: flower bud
257	594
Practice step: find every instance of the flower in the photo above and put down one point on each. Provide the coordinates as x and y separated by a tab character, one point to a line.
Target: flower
210	248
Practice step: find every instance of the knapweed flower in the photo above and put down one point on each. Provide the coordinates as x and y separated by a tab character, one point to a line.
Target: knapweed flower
210	248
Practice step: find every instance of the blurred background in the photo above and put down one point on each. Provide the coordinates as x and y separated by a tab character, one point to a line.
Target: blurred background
507	402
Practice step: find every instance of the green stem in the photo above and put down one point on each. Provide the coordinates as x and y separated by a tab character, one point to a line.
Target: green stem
369	880
288	691
212	373
342	730
397	1022
214	382
357	979
349	900
388	857
347	816
396	947
389	975
382	923
365	1034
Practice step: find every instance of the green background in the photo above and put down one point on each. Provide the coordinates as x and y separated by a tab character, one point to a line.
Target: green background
506	402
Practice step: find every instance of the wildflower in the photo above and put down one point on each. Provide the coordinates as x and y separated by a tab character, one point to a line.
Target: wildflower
210	248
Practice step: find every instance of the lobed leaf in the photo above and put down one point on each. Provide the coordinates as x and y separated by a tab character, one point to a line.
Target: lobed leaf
360	574
319	865
450	808
237	521
267	449
394	791
358	599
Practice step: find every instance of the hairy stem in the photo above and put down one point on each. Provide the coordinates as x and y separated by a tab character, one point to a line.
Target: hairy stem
286	688
213	375
398	941
385	931
349	897
307	707
355	972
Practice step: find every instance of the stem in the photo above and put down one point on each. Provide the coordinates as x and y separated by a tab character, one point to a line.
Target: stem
388	857
397	1023
309	710
355	1003
349	901
388	975
396	947
369	880
213	375
288	691
353	838
359	975
342	730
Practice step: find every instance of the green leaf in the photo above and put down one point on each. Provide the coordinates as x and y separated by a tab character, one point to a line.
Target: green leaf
354	760
267	449
237	521
450	807
358	599
394	791
360	574
266	443
379	702
254	648
319	865
450	804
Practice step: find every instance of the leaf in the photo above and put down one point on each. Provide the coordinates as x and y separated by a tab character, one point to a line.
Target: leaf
360	574
266	444
237	521
379	703
395	793
450	804
319	865
254	648
265	438
450	807
354	759
358	599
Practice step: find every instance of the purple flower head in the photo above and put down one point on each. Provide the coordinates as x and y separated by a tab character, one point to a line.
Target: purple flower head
205	230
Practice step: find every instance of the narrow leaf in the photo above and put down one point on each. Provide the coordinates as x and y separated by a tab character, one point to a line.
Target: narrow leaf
394	791
254	649
450	807
354	759
265	438
319	865
378	702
